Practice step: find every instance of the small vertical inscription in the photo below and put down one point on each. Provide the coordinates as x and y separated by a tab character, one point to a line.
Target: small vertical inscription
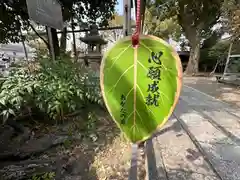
123	109
154	73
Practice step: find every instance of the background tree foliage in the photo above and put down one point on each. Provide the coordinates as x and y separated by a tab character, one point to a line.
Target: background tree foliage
162	28
231	17
196	19
155	25
14	16
115	21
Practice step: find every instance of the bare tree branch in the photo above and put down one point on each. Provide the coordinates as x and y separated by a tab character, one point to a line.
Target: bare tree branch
47	44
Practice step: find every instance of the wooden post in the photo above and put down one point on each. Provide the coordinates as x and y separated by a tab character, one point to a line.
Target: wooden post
50	41
24	46
127	17
74	40
133	168
143	9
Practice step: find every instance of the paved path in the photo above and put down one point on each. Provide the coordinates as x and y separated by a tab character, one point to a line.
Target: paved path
209	85
201	141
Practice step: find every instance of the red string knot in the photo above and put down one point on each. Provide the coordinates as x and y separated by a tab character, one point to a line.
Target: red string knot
135	39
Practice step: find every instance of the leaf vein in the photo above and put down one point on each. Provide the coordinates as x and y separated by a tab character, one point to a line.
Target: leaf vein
129	115
140	117
121	78
142	66
117	57
129	93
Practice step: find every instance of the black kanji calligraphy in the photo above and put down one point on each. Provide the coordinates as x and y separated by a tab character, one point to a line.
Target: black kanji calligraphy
153	87
154	73
123	109
123	116
155	57
123	100
152	99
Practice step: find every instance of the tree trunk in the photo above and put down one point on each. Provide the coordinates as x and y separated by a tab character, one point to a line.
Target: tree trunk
74	39
192	67
24	47
63	40
55	42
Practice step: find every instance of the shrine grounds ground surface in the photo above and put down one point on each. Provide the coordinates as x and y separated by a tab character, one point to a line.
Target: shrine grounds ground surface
208	85
104	154
114	162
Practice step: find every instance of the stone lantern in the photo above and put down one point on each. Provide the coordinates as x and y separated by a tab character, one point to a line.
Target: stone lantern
93	56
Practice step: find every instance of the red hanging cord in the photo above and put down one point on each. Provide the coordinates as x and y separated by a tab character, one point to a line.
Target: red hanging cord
135	36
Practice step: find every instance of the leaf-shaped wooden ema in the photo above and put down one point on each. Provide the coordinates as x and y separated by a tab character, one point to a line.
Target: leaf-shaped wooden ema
141	86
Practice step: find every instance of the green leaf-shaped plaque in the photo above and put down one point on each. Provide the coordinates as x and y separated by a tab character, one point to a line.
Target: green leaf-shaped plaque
141	86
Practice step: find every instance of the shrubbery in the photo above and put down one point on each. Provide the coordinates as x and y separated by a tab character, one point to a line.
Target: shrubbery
54	89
